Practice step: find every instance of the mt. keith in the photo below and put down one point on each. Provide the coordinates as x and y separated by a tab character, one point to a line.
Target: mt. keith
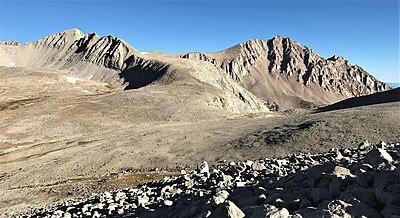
283	72
278	73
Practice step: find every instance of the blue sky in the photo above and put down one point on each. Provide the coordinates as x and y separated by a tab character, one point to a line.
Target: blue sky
364	32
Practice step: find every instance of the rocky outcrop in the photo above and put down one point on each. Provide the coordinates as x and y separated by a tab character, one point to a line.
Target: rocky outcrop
341	183
108	51
9	43
59	40
300	67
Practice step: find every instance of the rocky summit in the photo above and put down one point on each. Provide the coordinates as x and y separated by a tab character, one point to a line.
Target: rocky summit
361	182
284	73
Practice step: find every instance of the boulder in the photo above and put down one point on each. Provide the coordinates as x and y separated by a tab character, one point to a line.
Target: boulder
219	198
338	208
364	145
258	166
274	212
318	170
378	156
228	210
270	211
341	172
203	168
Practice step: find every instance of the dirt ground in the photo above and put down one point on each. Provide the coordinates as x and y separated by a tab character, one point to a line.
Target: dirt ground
63	138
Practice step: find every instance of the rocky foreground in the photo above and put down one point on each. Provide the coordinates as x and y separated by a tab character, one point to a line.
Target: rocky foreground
341	183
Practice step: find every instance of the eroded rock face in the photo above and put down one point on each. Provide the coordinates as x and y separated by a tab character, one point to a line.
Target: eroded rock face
334	78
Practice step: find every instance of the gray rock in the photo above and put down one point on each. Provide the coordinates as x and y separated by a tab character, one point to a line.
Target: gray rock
143	200
258	166
120	211
318	170
394	188
96	214
338	207
367	196
203	168
341	172
248	163
364	145
227	209
359	209
304	203
320	194
381	145
274	212
391	210
387	198
269	211
378	156
294	205
338	155
219	198
365	179
247	201
168	203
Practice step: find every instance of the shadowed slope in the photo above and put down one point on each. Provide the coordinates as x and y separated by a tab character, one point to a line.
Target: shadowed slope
376	98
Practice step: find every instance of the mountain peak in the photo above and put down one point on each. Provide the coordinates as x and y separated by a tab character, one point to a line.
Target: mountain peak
258	65
73	31
59	40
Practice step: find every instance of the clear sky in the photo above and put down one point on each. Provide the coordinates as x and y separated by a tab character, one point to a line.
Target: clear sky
364	32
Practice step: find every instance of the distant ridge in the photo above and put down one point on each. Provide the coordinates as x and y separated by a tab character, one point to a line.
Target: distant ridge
111	60
278	73
394	85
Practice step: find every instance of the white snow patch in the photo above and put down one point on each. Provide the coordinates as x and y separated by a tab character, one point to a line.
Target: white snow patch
72	79
11	64
90	77
86	91
143	52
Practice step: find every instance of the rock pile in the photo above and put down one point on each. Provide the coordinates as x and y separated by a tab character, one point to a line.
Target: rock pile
340	183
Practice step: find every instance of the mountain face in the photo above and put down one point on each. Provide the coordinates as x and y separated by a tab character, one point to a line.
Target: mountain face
278	73
285	73
111	60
